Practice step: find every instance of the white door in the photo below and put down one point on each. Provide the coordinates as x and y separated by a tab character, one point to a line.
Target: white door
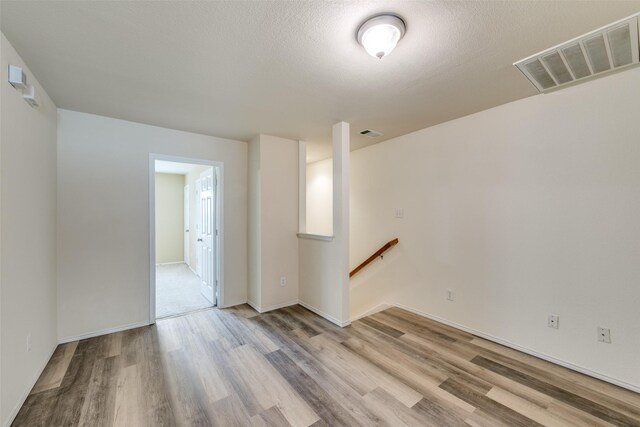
207	234
186	225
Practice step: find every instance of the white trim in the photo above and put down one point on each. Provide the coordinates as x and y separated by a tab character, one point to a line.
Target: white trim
192	270
244	301
526	350
101	332
279	306
321	313
314	237
377	309
152	225
253	305
27	391
171	263
152	239
186	217
261	310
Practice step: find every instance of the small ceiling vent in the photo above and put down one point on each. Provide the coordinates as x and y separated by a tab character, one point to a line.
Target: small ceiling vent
370	133
599	52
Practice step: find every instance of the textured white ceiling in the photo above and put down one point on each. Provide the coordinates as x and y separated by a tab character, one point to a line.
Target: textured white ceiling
292	69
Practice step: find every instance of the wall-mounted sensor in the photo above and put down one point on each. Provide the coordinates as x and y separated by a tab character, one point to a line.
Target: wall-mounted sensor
17	77
29	95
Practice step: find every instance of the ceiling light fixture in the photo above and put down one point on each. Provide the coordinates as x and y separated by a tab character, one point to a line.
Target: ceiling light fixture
380	34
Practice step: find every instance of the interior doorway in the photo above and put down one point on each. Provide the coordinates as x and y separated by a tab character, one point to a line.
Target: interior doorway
185	243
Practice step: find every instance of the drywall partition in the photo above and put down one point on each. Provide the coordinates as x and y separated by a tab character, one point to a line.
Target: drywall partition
324	260
27	243
169	218
254	226
319	198
523	210
273	222
103	218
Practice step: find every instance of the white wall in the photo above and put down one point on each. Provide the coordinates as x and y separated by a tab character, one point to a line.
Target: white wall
320	197
523	210
27	242
324	265
273	205
169	217
103	217
254	225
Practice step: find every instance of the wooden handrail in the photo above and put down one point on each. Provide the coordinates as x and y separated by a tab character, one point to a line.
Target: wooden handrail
377	254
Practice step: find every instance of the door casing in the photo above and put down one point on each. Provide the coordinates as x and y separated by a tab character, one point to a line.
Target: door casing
218	168
186	232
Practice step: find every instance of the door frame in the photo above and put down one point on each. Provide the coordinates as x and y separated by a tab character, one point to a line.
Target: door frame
186	208
218	168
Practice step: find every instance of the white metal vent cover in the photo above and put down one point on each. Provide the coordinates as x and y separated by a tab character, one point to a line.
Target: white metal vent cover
607	49
370	133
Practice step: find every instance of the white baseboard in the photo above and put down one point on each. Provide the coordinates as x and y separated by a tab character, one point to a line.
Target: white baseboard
568	365
260	309
321	313
253	305
171	263
25	393
233	304
103	332
378	308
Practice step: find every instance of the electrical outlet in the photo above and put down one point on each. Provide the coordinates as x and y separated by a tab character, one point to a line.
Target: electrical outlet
450	295
604	335
399	213
553	321
28	342
283	281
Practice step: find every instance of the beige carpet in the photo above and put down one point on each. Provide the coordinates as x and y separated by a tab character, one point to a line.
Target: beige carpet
177	290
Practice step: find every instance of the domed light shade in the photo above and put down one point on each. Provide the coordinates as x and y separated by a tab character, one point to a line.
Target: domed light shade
380	34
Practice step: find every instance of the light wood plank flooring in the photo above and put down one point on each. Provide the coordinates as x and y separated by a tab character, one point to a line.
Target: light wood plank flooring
234	367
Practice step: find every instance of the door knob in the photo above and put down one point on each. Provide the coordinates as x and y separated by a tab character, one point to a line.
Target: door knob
199	240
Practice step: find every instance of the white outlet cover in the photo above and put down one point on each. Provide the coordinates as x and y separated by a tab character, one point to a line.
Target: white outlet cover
450	295
553	321
604	335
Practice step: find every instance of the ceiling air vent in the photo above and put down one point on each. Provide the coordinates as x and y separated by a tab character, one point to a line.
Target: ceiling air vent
370	133
607	49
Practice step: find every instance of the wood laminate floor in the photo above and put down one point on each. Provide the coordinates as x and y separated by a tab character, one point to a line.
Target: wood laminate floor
234	367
